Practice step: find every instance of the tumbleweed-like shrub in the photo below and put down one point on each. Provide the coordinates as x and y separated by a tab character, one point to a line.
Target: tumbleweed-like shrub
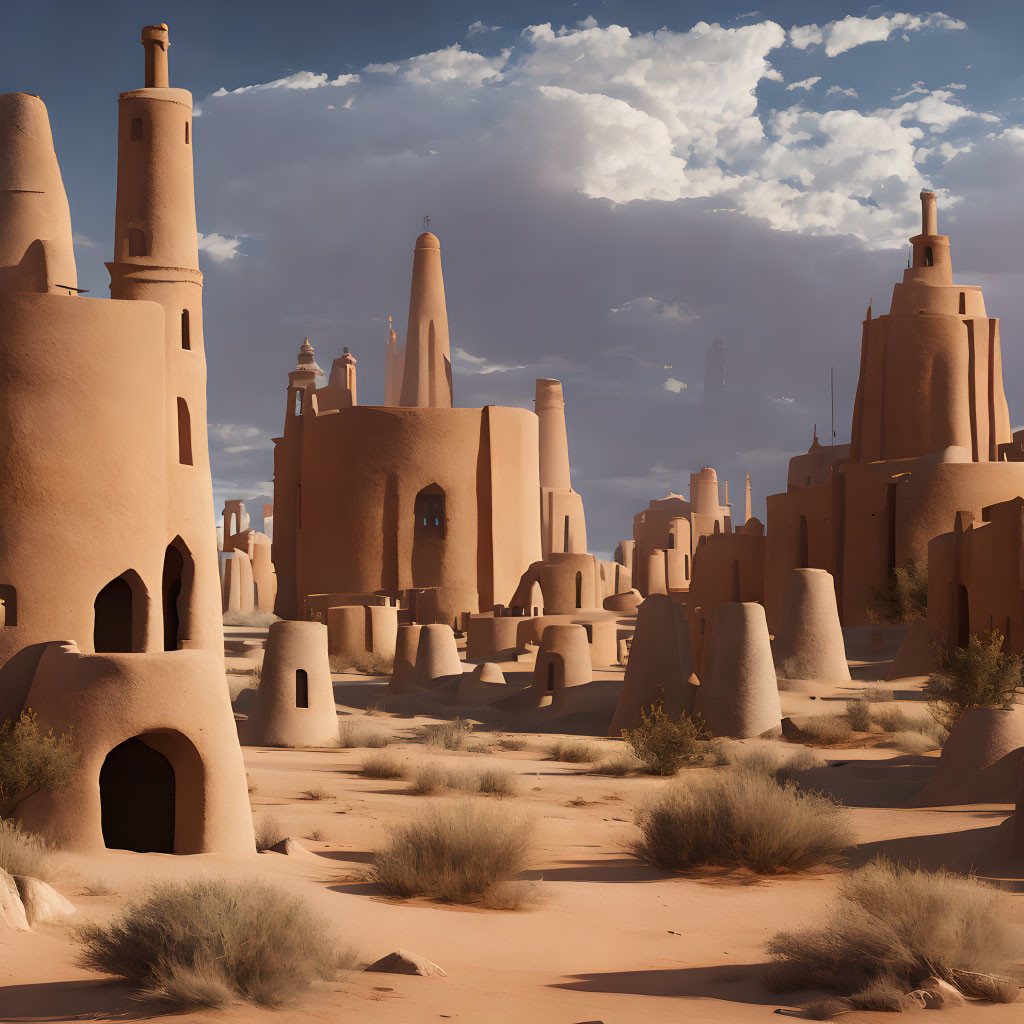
663	744
980	675
209	942
577	751
740	819
894	926
458	851
24	853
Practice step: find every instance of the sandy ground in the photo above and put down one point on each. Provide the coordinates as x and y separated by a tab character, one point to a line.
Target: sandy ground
611	939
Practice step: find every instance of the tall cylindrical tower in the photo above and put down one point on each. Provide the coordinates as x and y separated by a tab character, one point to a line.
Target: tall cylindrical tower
554	443
427	374
156	258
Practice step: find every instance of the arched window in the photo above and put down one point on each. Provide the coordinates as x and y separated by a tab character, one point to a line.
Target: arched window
301	688
137	242
113	623
8	605
136	134
188	133
429	509
297	410
176	593
929	259
579	590
186	333
184	434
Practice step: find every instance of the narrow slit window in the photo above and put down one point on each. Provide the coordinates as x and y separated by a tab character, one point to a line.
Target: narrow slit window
184	434
186	332
188	133
963	302
301	688
929	259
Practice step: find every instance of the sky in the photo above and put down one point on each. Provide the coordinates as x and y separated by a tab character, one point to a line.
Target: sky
614	185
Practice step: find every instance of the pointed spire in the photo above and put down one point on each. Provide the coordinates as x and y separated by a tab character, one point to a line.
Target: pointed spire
307	361
427	371
746	501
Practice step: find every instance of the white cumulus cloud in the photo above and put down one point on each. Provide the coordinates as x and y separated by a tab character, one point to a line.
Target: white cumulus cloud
220	248
673	385
807	84
851	31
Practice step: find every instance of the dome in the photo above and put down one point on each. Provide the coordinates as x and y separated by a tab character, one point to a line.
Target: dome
427	241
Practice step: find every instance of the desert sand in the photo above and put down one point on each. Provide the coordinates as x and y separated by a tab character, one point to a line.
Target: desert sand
609	939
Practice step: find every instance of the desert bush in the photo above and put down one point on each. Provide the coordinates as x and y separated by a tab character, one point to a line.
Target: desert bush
375	709
617	765
827	729
497	782
773	762
253	618
511	743
383	765
317	793
457	851
446	735
32	760
881	995
269	832
894	719
576	751
878	694
899	925
980	675
906	597
858	714
24	853
208	942
479	748
663	745
358	734
909	742
740	819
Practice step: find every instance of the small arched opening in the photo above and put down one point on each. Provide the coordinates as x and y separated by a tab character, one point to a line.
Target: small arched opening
301	688
117	616
579	589
184	433
929	258
176	593
429	529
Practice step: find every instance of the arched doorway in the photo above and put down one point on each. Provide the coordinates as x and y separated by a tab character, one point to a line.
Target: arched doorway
429	530
176	592
113	618
137	799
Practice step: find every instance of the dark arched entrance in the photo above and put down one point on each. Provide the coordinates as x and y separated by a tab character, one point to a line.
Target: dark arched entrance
137	794
174	564
112	625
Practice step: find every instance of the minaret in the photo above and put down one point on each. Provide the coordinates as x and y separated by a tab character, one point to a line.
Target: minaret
156	258
427	370
36	253
563	525
746	501
343	378
392	368
301	379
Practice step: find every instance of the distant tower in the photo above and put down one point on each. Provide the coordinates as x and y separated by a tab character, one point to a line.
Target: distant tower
746	502
714	369
427	371
156	258
392	368
563	526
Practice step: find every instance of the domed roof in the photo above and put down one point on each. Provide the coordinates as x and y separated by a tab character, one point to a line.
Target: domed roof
427	241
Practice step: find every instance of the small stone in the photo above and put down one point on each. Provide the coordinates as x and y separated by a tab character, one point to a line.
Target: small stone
12	910
404	962
290	848
42	903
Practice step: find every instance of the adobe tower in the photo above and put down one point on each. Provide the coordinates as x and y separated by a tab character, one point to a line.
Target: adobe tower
427	370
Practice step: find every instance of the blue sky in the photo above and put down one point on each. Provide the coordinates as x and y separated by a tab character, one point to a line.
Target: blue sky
614	185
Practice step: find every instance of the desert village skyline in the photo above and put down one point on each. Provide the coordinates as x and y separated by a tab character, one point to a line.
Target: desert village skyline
418	747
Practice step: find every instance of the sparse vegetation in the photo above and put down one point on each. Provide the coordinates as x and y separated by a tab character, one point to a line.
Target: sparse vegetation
376	709
740	819
878	694
893	719
253	618
497	782
32	760
269	832
359	734
457	851
432	777
24	853
511	743
906	598
774	762
980	675
317	793
316	835
910	742
858	714
447	735
827	729
479	748
577	751
209	942
892	927
663	745
383	765
617	765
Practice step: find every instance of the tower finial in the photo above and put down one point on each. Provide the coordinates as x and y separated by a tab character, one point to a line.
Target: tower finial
156	41
929	213
426	223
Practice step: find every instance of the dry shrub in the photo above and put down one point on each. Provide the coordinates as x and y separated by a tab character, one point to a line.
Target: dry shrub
358	734
883	995
878	694
497	782
980	675
33	759
858	714
317	793
24	853
208	942
827	729
446	735
985	986
907	596
617	765
894	719
576	751
910	742
433	777
383	765
376	709
254	618
479	748
511	743
825	1008
740	819
269	832
772	762
899	925
663	745
457	851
